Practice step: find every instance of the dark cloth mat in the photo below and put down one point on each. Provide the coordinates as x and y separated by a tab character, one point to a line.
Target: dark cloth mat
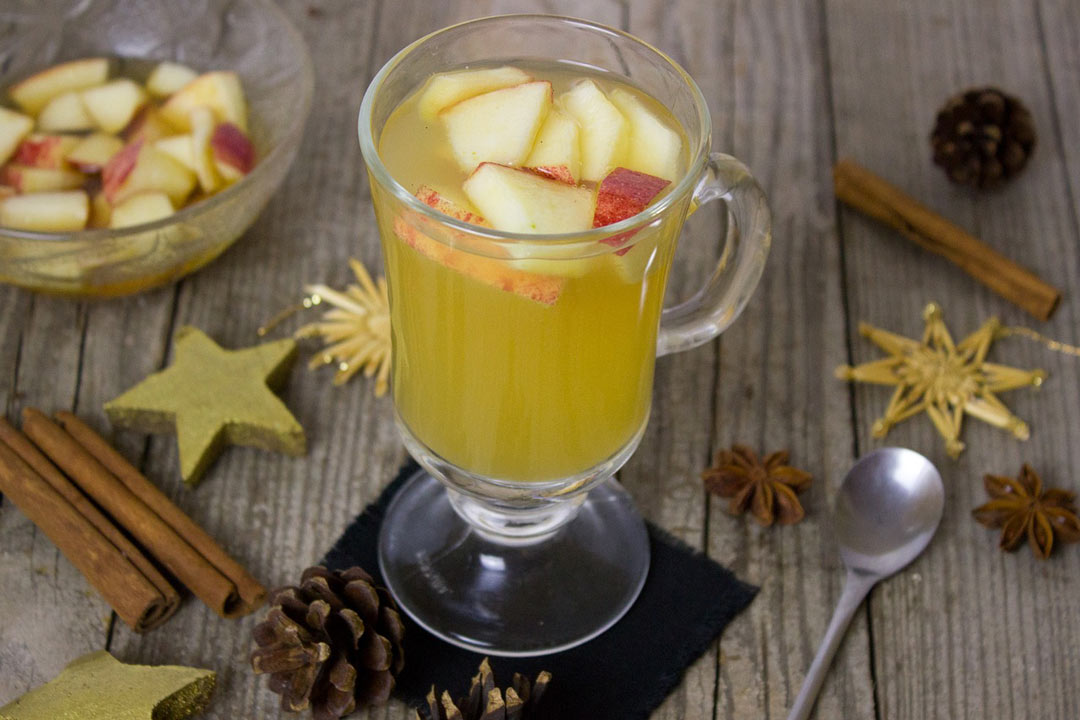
624	673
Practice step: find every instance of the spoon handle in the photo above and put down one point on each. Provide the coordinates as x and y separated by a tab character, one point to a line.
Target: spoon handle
855	588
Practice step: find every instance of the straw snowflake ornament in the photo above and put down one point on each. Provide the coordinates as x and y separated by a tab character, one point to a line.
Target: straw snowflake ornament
356	329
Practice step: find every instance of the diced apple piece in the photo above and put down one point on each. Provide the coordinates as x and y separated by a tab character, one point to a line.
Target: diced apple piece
520	201
149	125
554	172
228	173
654	148
233	149
100	211
93	152
114	104
621	194
498	126
433	199
141	208
604	131
35	92
46	211
202	128
493	272
220	91
29	179
168	77
65	113
624	193
557	144
13	128
450	88
45	151
140	167
179	148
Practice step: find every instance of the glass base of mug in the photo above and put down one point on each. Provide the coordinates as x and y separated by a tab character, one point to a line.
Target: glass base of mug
481	593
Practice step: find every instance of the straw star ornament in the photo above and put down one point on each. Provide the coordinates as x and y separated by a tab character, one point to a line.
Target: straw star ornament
946	380
357	328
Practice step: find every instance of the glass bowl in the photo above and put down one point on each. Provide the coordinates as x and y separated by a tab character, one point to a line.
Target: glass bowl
252	37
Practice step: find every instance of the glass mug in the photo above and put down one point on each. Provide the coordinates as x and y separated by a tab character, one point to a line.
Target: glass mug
523	364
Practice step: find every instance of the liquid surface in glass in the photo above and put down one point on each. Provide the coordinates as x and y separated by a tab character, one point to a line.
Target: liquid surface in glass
505	365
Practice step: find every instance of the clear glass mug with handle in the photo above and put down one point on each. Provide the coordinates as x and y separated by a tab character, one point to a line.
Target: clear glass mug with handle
523	364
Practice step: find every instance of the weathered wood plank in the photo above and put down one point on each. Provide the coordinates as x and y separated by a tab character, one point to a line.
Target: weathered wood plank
662	475
48	612
774	387
950	633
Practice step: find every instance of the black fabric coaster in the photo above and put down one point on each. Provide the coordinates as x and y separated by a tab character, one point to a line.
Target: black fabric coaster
624	673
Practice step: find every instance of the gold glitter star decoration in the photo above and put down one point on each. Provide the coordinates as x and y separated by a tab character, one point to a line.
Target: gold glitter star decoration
212	397
946	380
97	686
356	329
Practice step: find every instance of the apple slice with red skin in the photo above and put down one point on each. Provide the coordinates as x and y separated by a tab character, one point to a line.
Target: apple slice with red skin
13	128
232	147
45	151
148	124
493	272
555	172
622	194
140	167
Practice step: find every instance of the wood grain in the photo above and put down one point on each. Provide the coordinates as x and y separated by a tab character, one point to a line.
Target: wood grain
965	632
774	386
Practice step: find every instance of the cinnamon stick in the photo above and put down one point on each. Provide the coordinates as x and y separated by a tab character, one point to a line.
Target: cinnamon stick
124	587
252	593
148	529
865	191
158	612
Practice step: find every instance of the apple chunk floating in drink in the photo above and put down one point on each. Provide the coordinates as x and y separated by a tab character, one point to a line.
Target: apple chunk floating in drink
527	360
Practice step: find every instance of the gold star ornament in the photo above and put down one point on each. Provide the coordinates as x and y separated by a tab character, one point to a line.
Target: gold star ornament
97	686
212	397
946	380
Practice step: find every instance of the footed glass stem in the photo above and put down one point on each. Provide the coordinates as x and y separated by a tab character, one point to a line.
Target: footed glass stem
549	584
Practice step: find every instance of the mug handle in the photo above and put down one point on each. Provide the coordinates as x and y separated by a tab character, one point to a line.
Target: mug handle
749	233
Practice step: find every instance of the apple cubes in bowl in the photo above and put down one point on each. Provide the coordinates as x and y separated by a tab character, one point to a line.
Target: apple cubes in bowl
83	150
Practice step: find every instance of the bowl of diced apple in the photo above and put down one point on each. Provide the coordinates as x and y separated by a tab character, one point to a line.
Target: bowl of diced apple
139	140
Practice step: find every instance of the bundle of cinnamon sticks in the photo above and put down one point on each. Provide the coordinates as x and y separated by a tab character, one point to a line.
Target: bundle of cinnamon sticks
89	500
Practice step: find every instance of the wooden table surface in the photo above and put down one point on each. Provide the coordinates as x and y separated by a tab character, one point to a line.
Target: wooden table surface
965	632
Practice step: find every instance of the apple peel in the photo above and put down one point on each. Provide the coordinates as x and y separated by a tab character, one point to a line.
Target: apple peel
410	228
624	193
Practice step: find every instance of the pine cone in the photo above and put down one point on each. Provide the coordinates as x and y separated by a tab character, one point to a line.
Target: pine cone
983	137
332	644
487	702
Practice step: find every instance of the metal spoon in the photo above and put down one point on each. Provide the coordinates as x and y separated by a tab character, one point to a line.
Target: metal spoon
888	508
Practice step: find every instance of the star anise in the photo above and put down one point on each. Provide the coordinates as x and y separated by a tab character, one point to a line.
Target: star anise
767	488
1022	509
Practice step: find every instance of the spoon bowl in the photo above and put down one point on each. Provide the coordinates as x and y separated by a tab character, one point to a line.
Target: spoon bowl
888	508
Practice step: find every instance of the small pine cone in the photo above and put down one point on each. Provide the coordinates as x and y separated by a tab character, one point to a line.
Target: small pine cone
332	644
983	137
487	702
